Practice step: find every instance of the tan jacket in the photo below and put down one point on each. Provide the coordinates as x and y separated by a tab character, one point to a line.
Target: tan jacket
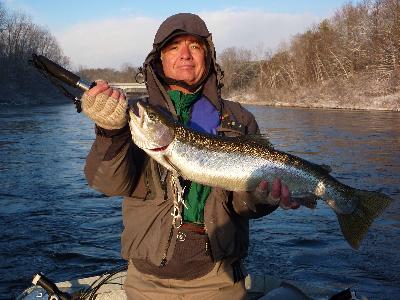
117	167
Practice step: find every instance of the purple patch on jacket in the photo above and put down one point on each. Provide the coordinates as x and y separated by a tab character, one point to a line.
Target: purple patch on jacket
205	117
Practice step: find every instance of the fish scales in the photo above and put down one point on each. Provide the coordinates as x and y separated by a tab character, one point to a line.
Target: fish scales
235	166
239	164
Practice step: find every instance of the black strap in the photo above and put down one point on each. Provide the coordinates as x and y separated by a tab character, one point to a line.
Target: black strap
238	274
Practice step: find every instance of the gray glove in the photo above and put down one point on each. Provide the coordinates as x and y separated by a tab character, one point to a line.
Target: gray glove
105	111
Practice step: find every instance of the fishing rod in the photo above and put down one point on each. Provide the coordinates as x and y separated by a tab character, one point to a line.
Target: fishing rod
51	289
57	75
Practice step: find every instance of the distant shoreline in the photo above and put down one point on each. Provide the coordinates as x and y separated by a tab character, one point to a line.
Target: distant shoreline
327	97
252	100
289	105
23	99
381	103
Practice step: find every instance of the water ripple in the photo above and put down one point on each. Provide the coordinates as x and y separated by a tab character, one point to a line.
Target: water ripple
53	222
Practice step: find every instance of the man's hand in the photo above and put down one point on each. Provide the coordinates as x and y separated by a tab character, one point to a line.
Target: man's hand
279	194
105	106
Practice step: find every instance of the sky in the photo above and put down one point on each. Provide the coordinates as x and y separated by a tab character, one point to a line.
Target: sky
119	32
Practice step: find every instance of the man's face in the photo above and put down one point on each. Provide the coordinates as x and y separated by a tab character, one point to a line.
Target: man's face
184	59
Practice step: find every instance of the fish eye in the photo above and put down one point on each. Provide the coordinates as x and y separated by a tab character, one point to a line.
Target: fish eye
152	116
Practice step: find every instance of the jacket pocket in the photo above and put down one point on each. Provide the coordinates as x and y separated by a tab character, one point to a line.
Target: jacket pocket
151	186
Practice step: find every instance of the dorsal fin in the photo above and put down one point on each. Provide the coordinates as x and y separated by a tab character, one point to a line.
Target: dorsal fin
260	139
263	139
325	168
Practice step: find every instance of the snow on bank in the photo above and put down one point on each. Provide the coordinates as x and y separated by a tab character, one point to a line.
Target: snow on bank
382	103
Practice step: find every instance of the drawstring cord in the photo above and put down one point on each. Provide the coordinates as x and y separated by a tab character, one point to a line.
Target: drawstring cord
178	192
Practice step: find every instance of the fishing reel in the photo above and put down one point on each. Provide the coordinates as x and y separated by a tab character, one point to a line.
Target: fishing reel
52	290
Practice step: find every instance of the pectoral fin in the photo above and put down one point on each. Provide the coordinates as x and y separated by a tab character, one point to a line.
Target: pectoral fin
166	163
173	168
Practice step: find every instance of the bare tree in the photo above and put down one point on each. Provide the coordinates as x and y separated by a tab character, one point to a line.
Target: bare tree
127	73
239	69
19	38
358	39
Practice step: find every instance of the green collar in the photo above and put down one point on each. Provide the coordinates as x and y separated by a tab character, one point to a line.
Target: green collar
183	103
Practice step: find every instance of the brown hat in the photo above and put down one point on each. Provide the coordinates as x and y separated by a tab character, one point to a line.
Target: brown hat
183	23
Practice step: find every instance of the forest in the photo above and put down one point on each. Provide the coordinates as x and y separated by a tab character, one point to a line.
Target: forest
350	60
19	38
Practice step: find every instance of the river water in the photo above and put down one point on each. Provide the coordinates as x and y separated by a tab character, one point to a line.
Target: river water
52	222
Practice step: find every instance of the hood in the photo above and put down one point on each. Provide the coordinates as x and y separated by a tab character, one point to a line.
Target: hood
183	23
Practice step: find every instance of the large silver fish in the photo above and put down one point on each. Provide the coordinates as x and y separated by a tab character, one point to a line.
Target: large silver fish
239	164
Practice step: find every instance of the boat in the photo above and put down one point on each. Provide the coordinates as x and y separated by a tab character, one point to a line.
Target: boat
109	286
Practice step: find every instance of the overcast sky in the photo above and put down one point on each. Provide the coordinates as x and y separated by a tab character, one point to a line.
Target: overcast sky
113	33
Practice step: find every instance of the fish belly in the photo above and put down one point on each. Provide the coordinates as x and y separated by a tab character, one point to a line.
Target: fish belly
235	171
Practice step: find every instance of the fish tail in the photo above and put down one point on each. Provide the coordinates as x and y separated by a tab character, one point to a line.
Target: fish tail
355	225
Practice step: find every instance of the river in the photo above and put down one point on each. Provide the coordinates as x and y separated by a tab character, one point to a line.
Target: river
51	221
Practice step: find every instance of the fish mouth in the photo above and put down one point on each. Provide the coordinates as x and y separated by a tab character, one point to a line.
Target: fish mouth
157	143
134	108
136	113
160	149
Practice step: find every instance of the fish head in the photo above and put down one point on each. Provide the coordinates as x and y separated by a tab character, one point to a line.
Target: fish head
150	128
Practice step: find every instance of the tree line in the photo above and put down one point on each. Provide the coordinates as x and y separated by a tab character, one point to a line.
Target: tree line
126	73
19	38
360	42
359	46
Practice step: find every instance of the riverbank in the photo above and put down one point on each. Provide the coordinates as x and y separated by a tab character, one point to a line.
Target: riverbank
20	99
314	100
42	93
360	94
357	94
383	103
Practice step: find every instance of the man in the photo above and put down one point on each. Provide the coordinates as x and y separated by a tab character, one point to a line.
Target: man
202	258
